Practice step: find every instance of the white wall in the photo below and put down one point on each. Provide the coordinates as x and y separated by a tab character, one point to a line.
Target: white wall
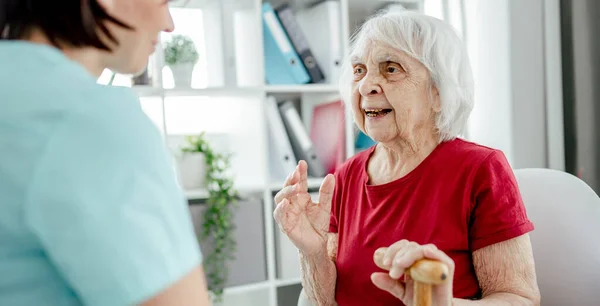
528	83
508	42
489	47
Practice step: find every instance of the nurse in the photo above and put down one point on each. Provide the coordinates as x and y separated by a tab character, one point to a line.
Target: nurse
90	209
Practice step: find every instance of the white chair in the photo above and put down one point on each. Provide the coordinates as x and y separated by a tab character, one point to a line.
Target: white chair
303	299
566	240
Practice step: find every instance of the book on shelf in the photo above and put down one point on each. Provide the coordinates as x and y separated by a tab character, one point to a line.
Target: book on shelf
302	145
282	62
282	159
323	21
327	133
294	32
322	144
302	47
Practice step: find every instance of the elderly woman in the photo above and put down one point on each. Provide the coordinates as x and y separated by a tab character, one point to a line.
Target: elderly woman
421	191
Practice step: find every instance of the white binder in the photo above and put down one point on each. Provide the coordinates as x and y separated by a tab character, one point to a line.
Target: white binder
282	160
323	22
300	139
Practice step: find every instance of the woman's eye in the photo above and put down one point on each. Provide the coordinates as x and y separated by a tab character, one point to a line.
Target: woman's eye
393	68
358	70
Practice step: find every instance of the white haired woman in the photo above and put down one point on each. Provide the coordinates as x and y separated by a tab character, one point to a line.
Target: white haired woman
421	191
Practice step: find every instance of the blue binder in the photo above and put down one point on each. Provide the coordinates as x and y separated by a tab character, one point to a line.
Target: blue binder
282	63
363	142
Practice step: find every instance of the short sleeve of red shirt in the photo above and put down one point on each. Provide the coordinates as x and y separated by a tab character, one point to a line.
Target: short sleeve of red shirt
498	213
333	221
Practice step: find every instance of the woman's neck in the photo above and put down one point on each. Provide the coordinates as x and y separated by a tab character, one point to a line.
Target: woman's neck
90	58
396	159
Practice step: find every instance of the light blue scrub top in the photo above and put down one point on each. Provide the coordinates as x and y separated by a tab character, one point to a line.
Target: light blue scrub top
90	209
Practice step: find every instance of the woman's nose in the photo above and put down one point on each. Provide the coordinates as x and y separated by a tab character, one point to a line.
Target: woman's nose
170	27
370	85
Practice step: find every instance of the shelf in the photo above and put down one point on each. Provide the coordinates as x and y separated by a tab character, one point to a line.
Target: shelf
313	183
197	194
149	91
248	287
287	282
308	88
262	285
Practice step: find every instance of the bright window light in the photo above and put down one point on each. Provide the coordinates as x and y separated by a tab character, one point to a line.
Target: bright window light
188	22
434	8
193	115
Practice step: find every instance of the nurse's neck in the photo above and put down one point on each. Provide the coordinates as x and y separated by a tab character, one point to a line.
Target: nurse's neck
90	58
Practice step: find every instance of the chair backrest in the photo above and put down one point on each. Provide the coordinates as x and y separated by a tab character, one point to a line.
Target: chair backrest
303	299
566	240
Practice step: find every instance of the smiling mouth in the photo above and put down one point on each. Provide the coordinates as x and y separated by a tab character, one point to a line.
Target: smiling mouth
377	112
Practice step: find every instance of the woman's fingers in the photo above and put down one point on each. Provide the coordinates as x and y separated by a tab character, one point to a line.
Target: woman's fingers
403	260
392	250
295	182
292	178
280	213
326	192
286	193
302	169
432	252
384	282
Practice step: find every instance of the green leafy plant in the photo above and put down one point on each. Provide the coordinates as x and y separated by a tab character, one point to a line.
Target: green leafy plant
180	50
218	223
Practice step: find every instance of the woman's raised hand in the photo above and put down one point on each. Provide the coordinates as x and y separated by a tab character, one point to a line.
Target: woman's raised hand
305	223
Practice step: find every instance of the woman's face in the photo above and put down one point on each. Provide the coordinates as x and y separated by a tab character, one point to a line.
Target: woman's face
148	18
392	98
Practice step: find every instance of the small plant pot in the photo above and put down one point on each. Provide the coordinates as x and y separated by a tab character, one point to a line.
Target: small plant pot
192	170
182	74
213	300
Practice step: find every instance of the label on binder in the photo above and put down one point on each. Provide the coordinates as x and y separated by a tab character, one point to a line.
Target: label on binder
277	32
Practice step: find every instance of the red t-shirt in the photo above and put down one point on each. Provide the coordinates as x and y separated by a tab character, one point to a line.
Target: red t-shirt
461	198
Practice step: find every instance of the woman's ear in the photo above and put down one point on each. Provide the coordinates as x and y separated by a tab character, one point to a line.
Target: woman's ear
437	104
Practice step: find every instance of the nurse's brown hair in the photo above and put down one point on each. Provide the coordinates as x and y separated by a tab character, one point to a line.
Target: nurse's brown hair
76	23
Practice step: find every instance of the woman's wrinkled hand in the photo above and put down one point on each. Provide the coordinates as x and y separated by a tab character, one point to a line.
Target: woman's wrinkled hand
399	257
304	222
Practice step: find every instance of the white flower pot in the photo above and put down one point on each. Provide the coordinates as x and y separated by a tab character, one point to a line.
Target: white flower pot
192	170
182	74
212	300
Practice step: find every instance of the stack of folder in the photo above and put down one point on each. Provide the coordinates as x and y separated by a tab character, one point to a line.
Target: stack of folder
291	57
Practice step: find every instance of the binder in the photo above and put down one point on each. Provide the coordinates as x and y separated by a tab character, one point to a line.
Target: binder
282	160
363	142
296	35
323	22
282	63
301	142
327	134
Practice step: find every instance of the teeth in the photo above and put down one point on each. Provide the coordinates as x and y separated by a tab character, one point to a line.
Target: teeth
374	112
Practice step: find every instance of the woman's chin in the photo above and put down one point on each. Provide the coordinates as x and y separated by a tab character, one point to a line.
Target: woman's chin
378	136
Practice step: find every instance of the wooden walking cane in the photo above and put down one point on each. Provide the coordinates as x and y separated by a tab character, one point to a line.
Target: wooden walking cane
425	273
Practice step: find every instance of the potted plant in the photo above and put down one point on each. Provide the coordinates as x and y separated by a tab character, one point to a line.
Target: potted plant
217	226
181	56
192	163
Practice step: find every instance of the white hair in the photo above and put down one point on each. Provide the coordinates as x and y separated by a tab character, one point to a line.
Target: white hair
438	47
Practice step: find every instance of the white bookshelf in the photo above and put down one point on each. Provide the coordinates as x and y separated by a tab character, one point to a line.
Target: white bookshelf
234	97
